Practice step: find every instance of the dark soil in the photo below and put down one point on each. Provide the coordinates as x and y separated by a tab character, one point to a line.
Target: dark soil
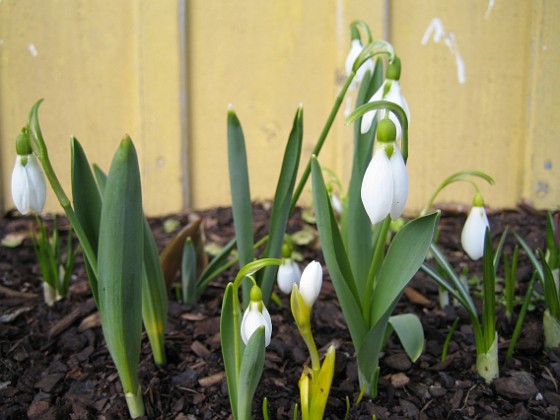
54	363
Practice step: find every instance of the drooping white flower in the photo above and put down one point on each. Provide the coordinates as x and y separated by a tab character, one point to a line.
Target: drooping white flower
29	189
390	91
356	48
336	204
385	184
288	275
256	316
311	282
472	236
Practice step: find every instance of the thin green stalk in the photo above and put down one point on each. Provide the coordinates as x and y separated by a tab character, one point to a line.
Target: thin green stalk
374	268
521	317
456	177
489	295
207	278
510	280
464	299
321	140
40	150
448	339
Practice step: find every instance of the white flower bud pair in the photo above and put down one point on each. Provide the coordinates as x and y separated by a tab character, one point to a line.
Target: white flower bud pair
309	283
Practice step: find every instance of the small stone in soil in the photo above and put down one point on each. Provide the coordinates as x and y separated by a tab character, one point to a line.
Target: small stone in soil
47	383
520	386
187	378
398	361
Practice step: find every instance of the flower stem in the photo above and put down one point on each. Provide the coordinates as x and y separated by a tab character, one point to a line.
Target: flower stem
375	265
69	211
135	403
321	140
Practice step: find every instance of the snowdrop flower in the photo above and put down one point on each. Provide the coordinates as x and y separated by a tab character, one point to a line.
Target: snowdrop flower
288	275
390	91
337	204
311	282
385	184
29	188
356	48
472	236
256	316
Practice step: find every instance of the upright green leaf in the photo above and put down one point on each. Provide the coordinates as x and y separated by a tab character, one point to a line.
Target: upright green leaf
403	259
240	195
215	267
252	363
154	294
489	293
336	258
188	272
154	297
368	351
121	249
356	226
87	202
232	347
281	204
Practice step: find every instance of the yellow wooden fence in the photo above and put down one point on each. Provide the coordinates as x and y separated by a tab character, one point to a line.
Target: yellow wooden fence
484	97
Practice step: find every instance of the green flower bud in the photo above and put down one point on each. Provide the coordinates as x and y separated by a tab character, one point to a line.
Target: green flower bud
286	250
394	69
478	200
255	294
23	145
386	131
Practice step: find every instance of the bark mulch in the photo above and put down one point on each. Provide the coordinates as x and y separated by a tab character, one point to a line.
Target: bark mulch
54	363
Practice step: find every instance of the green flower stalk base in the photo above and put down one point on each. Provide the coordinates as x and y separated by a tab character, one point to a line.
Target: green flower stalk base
487	363
551	328
50	294
135	403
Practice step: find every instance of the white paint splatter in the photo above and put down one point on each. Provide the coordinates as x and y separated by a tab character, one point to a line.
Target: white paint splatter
437	32
491	4
32	50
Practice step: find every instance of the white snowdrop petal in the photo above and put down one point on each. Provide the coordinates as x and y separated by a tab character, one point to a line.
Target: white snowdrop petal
38	185
355	50
368	65
252	320
311	282
288	274
367	118
267	326
20	187
29	187
394	95
337	204
377	187
472	236
400	184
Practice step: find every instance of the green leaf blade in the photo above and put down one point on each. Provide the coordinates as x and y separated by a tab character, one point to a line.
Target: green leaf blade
403	259
410	332
336	258
154	297
231	344
240	194
252	364
120	264
87	203
282	200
